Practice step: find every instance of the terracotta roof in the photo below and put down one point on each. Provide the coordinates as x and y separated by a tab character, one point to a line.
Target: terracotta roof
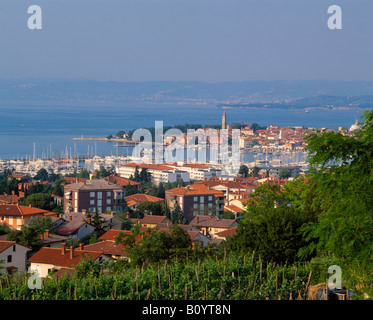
195	189
234	208
61	272
107	247
5	245
111	234
17	210
213	222
93	185
153	219
121	181
69	227
54	256
227	233
141	197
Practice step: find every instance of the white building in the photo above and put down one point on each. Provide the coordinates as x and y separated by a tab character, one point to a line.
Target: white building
13	256
159	173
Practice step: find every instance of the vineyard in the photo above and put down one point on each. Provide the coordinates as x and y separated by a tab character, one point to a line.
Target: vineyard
230	278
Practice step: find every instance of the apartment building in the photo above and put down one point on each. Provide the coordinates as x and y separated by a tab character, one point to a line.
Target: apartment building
196	199
92	194
160	173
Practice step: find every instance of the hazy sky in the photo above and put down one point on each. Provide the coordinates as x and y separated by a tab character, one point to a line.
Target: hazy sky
203	40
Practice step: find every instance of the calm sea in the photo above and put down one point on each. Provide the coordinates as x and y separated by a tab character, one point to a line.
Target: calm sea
51	128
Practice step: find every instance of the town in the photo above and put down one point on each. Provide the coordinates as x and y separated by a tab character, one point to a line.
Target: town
51	222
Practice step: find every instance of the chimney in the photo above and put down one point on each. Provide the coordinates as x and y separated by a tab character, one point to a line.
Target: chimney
197	219
89	220
209	216
128	215
81	246
29	205
42	236
63	248
71	251
70	217
84	211
47	233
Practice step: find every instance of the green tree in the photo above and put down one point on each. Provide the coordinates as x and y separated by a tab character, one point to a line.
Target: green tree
40	200
274	234
28	236
42	175
244	170
284	173
343	187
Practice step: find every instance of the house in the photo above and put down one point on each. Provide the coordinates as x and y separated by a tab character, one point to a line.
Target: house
210	225
13	256
74	229
152	221
109	249
196	199
9	199
47	259
52	240
93	194
14	216
225	234
134	200
108	220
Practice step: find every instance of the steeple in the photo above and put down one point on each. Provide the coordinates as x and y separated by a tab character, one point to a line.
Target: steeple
224	121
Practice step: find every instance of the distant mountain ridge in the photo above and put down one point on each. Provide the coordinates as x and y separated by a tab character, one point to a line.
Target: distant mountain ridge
285	93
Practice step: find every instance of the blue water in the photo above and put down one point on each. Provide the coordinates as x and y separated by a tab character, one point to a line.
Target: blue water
53	127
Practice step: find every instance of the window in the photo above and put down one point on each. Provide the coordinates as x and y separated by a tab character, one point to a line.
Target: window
195	206
210	205
9	258
202	199
108	194
210	198
99	195
108	208
92	194
10	220
108	201
92	202
99	203
19	221
14	248
195	198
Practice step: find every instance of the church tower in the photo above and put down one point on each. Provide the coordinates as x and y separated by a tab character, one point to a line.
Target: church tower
224	121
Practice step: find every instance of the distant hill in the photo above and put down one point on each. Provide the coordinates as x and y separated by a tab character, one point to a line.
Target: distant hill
281	93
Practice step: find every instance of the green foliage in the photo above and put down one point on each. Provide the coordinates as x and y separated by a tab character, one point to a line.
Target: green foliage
214	278
343	188
244	170
40	200
284	173
273	234
28	236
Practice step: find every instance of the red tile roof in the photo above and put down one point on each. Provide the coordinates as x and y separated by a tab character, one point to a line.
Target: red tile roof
111	234
153	219
54	256
107	247
141	197
121	181
17	210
